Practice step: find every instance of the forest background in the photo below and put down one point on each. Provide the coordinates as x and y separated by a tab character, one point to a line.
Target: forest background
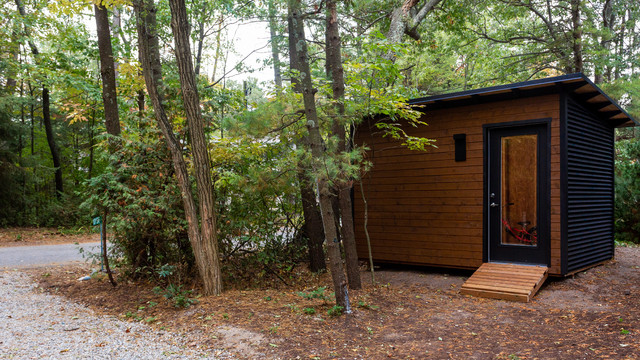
197	174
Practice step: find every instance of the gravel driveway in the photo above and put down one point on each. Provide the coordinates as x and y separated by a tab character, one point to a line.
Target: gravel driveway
34	325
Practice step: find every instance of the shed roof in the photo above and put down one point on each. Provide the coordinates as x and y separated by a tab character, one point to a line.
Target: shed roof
582	89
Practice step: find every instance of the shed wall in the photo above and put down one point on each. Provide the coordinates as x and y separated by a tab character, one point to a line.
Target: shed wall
589	184
425	208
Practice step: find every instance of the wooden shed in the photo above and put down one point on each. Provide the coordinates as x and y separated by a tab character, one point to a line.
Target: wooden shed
522	174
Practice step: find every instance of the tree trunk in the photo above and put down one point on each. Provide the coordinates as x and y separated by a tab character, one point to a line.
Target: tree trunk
311	212
107	72
275	52
90	126
105	256
146	20
335	72
299	51
199	148
312	223
605	42
402	21
140	97
46	118
577	35
14	51
32	117
200	43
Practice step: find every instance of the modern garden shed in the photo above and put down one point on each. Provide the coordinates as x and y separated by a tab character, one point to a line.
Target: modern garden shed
522	174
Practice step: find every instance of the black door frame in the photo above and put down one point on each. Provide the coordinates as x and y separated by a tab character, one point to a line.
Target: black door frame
540	255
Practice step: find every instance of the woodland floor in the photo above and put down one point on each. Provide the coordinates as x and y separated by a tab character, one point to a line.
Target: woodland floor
43	236
412	313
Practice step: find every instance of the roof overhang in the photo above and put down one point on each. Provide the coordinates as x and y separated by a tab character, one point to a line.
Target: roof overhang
578	85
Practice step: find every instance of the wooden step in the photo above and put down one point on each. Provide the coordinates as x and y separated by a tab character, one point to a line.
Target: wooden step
514	282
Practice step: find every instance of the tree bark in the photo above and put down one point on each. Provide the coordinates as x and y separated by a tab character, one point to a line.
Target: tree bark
312	223
107	72
55	155
200	43
105	256
577	35
201	161
607	24
299	50
275	52
146	20
402	21
90	126
335	72
14	50
311	212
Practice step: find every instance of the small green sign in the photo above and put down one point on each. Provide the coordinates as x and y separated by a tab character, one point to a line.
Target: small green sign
97	220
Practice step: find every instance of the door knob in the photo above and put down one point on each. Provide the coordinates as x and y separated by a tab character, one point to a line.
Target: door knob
493	204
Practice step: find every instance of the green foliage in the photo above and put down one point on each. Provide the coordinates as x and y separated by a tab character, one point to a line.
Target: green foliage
336	310
364	305
627	189
375	87
176	294
143	204
314	294
309	311
258	205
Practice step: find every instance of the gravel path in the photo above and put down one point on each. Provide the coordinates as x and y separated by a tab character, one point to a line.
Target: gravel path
35	325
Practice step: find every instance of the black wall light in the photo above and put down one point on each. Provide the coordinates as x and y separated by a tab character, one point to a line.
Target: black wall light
461	146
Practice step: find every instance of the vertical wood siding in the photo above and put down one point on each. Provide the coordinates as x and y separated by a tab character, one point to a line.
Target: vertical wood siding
425	208
590	181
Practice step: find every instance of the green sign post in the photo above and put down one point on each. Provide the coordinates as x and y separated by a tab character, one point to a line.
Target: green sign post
97	221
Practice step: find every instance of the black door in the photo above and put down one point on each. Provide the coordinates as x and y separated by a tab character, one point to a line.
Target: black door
518	194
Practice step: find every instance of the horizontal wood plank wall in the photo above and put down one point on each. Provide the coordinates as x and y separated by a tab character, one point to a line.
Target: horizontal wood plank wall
425	208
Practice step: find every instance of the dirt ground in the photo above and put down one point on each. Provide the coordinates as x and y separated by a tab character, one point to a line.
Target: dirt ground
412	313
44	236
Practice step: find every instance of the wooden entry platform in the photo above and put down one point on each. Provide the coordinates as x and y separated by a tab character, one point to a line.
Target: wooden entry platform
505	281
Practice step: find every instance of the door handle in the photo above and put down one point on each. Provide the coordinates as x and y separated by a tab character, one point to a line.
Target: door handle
493	204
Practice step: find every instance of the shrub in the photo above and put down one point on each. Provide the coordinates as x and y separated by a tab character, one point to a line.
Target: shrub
627	189
142	199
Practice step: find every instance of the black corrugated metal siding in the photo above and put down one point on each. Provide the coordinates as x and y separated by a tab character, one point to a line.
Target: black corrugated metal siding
590	181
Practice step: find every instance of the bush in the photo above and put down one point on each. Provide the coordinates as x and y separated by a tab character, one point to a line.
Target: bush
142	199
627	189
258	207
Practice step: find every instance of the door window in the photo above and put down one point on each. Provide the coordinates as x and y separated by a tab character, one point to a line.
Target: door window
519	185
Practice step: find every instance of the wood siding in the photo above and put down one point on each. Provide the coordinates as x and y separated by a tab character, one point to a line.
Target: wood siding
425	208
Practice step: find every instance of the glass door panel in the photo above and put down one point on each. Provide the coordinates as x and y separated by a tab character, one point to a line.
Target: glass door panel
519	189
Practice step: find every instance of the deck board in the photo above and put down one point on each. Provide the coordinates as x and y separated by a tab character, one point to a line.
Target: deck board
513	282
